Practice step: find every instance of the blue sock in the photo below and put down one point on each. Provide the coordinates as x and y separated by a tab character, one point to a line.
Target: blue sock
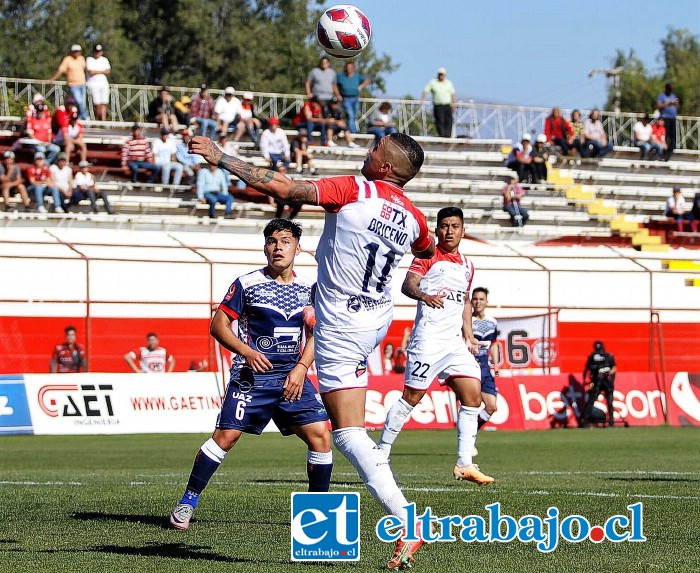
319	467
483	418
206	462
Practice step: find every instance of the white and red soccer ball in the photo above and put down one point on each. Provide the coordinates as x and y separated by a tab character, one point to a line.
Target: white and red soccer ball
343	31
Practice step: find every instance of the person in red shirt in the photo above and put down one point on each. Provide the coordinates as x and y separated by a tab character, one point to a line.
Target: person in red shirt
41	183
658	134
71	137
38	127
310	117
559	131
69	357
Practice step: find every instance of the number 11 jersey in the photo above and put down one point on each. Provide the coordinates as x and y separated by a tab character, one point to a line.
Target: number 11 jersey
369	226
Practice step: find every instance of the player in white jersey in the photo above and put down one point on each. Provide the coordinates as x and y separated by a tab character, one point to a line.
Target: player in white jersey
370	224
151	358
485	329
442	343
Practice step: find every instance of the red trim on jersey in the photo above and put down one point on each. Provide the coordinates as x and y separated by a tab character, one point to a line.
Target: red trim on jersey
344	388
453	376
333	193
422	266
231	313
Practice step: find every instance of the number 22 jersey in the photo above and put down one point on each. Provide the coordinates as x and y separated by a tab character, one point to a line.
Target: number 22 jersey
369	226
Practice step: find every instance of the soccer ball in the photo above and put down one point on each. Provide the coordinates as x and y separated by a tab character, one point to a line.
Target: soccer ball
343	31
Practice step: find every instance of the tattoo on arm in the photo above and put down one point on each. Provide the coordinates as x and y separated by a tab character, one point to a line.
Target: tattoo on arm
248	173
410	286
303	192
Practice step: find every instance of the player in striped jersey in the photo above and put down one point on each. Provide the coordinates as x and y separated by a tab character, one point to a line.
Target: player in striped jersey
485	329
442	343
369	226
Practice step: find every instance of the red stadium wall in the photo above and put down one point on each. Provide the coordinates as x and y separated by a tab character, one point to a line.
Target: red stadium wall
27	342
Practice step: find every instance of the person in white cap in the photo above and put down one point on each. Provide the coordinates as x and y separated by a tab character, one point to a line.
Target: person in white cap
98	68
247	120
74	66
11	180
519	159
84	186
227	109
539	156
443	93
37	126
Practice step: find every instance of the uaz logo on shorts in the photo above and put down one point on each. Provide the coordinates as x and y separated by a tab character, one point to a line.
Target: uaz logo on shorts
325	526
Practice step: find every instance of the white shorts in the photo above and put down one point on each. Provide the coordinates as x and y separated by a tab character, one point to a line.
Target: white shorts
341	356
428	359
100	94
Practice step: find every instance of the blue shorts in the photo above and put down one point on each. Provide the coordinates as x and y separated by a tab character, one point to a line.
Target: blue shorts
253	400
488	383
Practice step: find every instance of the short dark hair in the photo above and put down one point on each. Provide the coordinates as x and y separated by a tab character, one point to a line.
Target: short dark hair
481	289
446	212
411	148
151	334
277	225
68	328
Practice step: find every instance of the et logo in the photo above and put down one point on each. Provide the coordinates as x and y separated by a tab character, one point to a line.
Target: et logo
325	526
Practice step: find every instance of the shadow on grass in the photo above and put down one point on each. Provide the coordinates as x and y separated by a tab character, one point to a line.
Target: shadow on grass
164	550
157	520
654	479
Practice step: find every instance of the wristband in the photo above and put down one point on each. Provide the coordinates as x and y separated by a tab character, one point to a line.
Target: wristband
302	364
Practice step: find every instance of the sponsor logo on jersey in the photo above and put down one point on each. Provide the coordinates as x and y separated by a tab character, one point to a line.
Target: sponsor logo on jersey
545	533
230	293
357	302
361	369
325	526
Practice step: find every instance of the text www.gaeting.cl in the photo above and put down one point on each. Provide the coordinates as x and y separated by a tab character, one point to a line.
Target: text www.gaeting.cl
165	403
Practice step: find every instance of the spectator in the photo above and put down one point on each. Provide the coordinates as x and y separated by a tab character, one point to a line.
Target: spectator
595	140
658	135
228	147
227	109
677	208
577	129
137	154
202	110
349	84
183	110
642	132
84	187
161	110
695	212
73	66
62	114
212	188
519	159
164	156
152	358
302	154
71	137
310	117
274	147
668	104
68	357
394	360
335	124
38	128
191	164
540	156
321	82
11	180
247	122
98	68
512	194
198	366
63	178
41	183
559	132
443	95
380	122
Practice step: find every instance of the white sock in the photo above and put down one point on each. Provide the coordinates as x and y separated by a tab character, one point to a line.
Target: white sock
484	416
395	419
212	450
319	458
373	467
466	434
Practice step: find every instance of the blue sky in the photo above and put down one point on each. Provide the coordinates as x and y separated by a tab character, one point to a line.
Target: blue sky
530	53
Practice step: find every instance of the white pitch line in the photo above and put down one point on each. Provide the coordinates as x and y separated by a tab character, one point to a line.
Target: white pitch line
51	483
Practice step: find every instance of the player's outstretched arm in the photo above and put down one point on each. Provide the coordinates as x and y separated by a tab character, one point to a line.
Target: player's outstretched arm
261	179
220	329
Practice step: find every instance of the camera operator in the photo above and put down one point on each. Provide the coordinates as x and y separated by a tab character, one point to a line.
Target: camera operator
601	367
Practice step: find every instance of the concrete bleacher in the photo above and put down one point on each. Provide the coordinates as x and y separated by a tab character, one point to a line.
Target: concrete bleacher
580	200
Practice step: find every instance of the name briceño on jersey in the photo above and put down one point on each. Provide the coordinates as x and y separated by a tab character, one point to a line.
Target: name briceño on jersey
392	229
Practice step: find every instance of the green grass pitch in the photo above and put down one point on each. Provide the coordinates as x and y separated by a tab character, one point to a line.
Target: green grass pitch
100	503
